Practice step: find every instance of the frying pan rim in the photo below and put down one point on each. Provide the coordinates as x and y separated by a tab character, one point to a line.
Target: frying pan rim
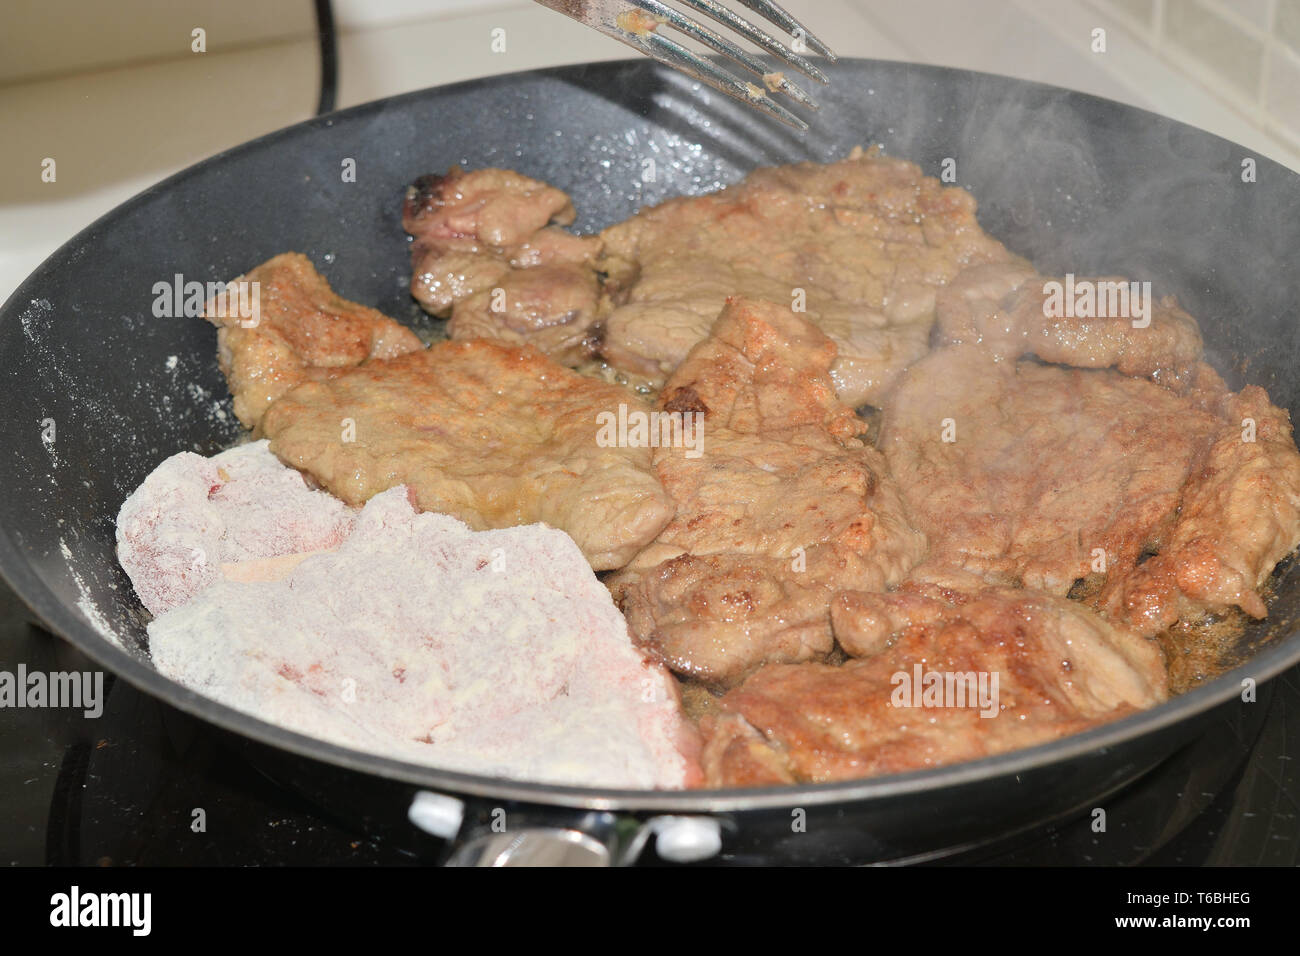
1282	651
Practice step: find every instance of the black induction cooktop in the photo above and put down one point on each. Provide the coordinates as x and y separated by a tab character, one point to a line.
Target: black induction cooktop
143	784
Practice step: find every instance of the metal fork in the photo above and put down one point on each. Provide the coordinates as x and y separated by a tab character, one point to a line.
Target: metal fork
637	23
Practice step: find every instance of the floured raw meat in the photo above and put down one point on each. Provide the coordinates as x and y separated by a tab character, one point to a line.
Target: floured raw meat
484	254
193	515
495	652
783	506
867	241
923	691
300	331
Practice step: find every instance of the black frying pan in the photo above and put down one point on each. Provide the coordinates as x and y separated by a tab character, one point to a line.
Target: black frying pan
1073	182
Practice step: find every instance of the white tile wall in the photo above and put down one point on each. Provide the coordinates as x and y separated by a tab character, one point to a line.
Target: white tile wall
1242	51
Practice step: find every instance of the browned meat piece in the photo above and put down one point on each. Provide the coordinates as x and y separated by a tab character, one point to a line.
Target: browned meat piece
1054	476
1044	464
493	208
737	755
783	507
494	434
484	253
1239	515
550	306
1012	312
868	240
302	332
925	696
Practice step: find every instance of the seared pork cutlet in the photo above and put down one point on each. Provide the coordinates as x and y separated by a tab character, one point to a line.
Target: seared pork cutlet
779	506
484	255
1010	310
300	331
493	434
1238	516
922	693
862	245
1048	477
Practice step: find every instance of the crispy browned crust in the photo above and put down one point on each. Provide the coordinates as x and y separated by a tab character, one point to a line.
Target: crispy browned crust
1061	669
783	507
497	435
488	254
1005	309
1150	500
304	331
1237	517
862	245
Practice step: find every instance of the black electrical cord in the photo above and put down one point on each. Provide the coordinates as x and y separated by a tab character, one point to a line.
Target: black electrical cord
329	57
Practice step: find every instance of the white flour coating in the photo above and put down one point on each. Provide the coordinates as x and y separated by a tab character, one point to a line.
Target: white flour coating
494	652
35	317
47	439
193	513
85	603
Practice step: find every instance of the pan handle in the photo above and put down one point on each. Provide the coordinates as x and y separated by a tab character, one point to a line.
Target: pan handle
480	834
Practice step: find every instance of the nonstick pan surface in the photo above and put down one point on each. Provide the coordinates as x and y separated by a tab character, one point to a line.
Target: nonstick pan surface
98	391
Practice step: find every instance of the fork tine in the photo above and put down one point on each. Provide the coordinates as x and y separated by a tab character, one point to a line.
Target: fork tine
728	17
774	13
673	54
778	81
773	81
